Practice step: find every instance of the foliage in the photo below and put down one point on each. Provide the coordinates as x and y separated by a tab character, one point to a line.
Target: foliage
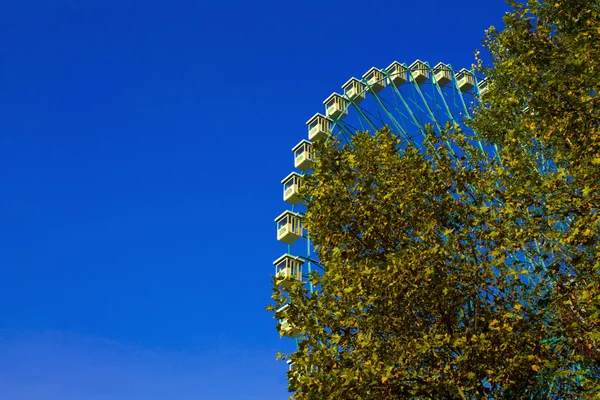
452	272
544	112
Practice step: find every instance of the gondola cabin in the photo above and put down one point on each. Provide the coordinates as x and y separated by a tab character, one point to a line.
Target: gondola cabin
336	106
303	155
291	188
354	90
287	270
465	80
419	71
483	87
318	126
396	73
375	79
442	74
286	328
289	227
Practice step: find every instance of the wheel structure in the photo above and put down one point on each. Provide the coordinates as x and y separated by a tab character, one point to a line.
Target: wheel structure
409	100
406	98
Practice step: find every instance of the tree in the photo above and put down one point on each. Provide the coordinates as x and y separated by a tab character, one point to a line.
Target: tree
451	273
544	110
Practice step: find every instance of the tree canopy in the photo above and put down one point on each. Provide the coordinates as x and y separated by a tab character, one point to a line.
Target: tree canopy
456	272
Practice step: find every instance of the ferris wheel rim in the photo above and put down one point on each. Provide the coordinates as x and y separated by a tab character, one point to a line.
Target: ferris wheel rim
386	80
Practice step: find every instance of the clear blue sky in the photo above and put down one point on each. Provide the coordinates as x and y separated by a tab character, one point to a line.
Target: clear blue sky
142	145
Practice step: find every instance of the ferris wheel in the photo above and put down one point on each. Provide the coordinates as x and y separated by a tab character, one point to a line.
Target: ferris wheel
405	98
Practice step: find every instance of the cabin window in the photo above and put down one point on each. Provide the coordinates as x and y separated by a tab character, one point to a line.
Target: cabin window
295	269
282	223
281	265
